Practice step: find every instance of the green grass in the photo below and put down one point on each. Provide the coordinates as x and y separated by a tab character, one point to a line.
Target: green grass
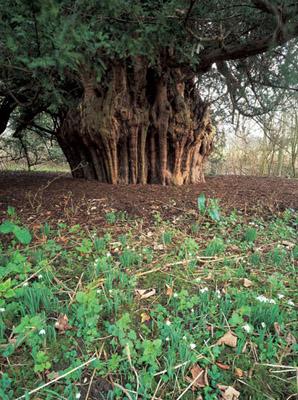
71	315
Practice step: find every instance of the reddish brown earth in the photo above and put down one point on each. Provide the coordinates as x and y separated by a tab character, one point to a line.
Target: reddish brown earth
40	196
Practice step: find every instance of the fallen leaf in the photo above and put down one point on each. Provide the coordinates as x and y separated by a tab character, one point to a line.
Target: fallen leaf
228	393
238	372
289	244
169	290
234	248
199	375
222	366
290	339
229	338
247	283
62	324
277	328
286	283
145	317
145	293
53	375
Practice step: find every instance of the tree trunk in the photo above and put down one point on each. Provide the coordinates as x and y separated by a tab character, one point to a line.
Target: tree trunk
145	127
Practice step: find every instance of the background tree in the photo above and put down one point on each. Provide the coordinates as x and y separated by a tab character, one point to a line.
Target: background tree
124	81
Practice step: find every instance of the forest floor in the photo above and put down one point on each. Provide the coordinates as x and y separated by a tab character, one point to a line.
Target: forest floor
87	202
147	292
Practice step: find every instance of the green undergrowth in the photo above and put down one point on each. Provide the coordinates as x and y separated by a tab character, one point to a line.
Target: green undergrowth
169	311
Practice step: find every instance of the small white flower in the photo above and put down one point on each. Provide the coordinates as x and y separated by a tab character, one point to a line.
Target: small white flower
271	301
108	254
280	296
205	289
263	325
184	337
127	247
263	299
42	332
117	249
192	346
2	309
133	249
168	323
189	254
198	279
98	291
57	323
25	284
40	276
78	395
218	293
247	328
167	338
110	291
175	294
192	310
291	303
96	261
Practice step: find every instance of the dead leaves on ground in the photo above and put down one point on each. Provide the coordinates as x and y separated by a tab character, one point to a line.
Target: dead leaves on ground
247	283
228	393
199	380
145	293
62	324
199	377
229	339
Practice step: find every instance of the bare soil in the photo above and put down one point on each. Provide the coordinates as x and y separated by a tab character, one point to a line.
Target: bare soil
43	196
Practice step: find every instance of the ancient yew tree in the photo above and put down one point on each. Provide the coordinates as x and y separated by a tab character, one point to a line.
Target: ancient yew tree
123	82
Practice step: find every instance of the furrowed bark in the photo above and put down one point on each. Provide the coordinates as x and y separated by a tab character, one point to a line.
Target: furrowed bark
144	127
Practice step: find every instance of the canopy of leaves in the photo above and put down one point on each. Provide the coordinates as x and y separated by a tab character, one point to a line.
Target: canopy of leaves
45	45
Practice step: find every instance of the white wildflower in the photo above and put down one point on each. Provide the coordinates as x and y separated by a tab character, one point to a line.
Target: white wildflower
78	395
192	310
198	279
110	291
117	249
263	299
175	294
167	339
263	325
168	323
108	254
271	301
98	291
57	323
25	284
280	296
192	346
247	328
2	309
184	337
42	332
40	276
291	303
205	289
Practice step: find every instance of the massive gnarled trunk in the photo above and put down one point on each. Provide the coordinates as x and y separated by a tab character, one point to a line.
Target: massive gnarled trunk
146	126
